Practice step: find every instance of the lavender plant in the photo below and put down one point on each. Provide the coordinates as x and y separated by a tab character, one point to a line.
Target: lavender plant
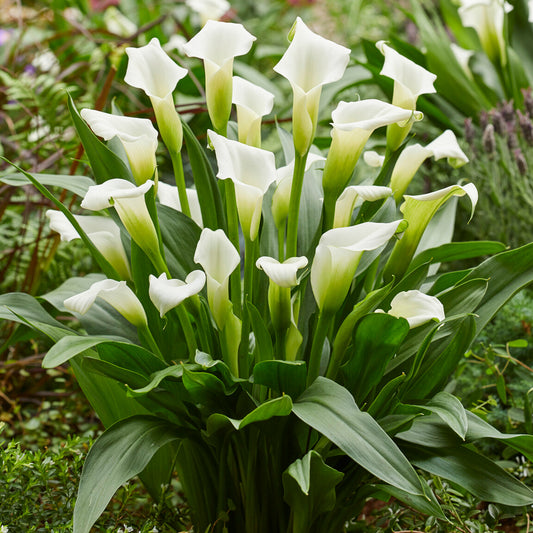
282	340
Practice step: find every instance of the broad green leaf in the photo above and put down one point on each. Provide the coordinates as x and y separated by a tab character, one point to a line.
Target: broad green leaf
386	399
205	388
175	371
263	340
371	353
286	377
206	362
427	504
119	454
309	489
76	184
331	410
474	472
451	410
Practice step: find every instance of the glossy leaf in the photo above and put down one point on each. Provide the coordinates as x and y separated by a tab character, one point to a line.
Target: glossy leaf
286	377
76	184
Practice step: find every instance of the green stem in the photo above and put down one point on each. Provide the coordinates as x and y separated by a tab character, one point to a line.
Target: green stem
177	165
249	269
294	204
330	201
233	235
145	335
188	331
321	331
281	243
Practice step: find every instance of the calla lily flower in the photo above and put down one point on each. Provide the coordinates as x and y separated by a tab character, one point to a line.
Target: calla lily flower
168	195
103	232
487	17
130	204
137	135
416	307
530	9
445	145
281	197
117	23
209	9
418	211
310	62
217	43
463	57
373	159
282	274
252	103
219	259
252	170
152	70
347	201
353	123
337	256
169	293
115	293
410	81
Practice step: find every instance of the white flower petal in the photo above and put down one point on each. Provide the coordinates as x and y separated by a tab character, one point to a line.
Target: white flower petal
254	98
446	145
373	159
282	274
209	9
168	195
101	196
216	254
416	307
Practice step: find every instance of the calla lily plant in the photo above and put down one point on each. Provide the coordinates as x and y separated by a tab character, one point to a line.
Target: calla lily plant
290	348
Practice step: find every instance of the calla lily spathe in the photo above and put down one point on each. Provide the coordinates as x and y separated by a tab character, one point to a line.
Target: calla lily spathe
166	293
487	17
115	293
217	43
309	62
168	195
337	256
373	159
252	170
209	9
282	274
347	201
102	231
410	81
137	135
416	307
252	103
412	157
152	70
131	207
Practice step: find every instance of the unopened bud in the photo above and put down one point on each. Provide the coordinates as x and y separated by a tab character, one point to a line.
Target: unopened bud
526	126
521	162
488	140
507	110
512	139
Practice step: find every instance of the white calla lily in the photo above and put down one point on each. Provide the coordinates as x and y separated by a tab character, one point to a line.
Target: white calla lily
152	70
412	157
209	9
252	170
416	307
131	207
166	293
115	293
217	43
373	159
487	17
410	81
219	258
252	103
168	195
337	256
137	135
282	274
102	231
347	201
309	62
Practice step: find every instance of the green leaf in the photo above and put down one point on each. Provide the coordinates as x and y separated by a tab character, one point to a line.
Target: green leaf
451	410
76	184
286	377
427	504
120	453
474	472
331	410
263	340
309	489
371	353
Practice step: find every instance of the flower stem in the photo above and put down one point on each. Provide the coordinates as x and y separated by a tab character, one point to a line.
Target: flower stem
249	268
187	331
281	243
233	235
177	165
294	204
146	336
321	331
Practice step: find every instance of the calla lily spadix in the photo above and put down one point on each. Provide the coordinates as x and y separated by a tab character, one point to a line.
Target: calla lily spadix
416	307
103	232
152	70
347	201
209	9
409	161
309	62
252	170
353	124
168	195
131	207
487	17
115	293
166	293
252	103
337	256
410	81
217	43
137	135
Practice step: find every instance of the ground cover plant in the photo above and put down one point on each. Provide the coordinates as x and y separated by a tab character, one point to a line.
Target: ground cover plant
282	400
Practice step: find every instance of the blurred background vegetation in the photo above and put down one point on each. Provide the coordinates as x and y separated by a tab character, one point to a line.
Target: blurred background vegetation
52	48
